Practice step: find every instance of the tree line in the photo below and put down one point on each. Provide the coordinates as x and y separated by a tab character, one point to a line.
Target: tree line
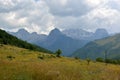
8	39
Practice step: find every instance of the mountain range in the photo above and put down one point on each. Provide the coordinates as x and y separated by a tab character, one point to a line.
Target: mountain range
57	40
8	39
29	37
68	40
109	46
81	34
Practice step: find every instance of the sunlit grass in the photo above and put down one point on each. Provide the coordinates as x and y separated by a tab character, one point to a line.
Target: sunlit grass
27	66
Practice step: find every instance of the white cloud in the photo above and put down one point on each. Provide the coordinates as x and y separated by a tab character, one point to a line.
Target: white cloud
102	18
96	3
115	4
29	14
70	8
44	15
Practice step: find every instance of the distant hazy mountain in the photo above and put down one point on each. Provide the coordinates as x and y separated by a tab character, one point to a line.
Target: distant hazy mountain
55	40
80	34
29	37
58	40
75	39
100	33
77	33
97	48
8	39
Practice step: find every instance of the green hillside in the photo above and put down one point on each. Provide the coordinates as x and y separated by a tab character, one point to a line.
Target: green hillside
110	45
23	64
8	39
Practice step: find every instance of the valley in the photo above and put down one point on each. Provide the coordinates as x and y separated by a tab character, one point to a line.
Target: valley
68	40
59	40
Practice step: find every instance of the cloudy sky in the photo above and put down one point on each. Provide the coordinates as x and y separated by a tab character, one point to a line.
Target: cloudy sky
44	15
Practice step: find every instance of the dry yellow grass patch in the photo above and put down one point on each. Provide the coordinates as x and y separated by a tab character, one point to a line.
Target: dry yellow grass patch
27	66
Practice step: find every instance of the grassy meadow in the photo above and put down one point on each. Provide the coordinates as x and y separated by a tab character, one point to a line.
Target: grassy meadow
22	64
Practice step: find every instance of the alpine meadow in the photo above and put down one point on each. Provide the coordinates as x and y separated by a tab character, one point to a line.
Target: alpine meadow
59	40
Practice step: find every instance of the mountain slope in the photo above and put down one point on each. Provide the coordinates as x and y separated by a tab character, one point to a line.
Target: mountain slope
57	40
22	64
97	48
8	39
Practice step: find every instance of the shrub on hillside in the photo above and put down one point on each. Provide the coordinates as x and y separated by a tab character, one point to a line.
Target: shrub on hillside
88	61
99	59
76	58
41	56
10	57
58	53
